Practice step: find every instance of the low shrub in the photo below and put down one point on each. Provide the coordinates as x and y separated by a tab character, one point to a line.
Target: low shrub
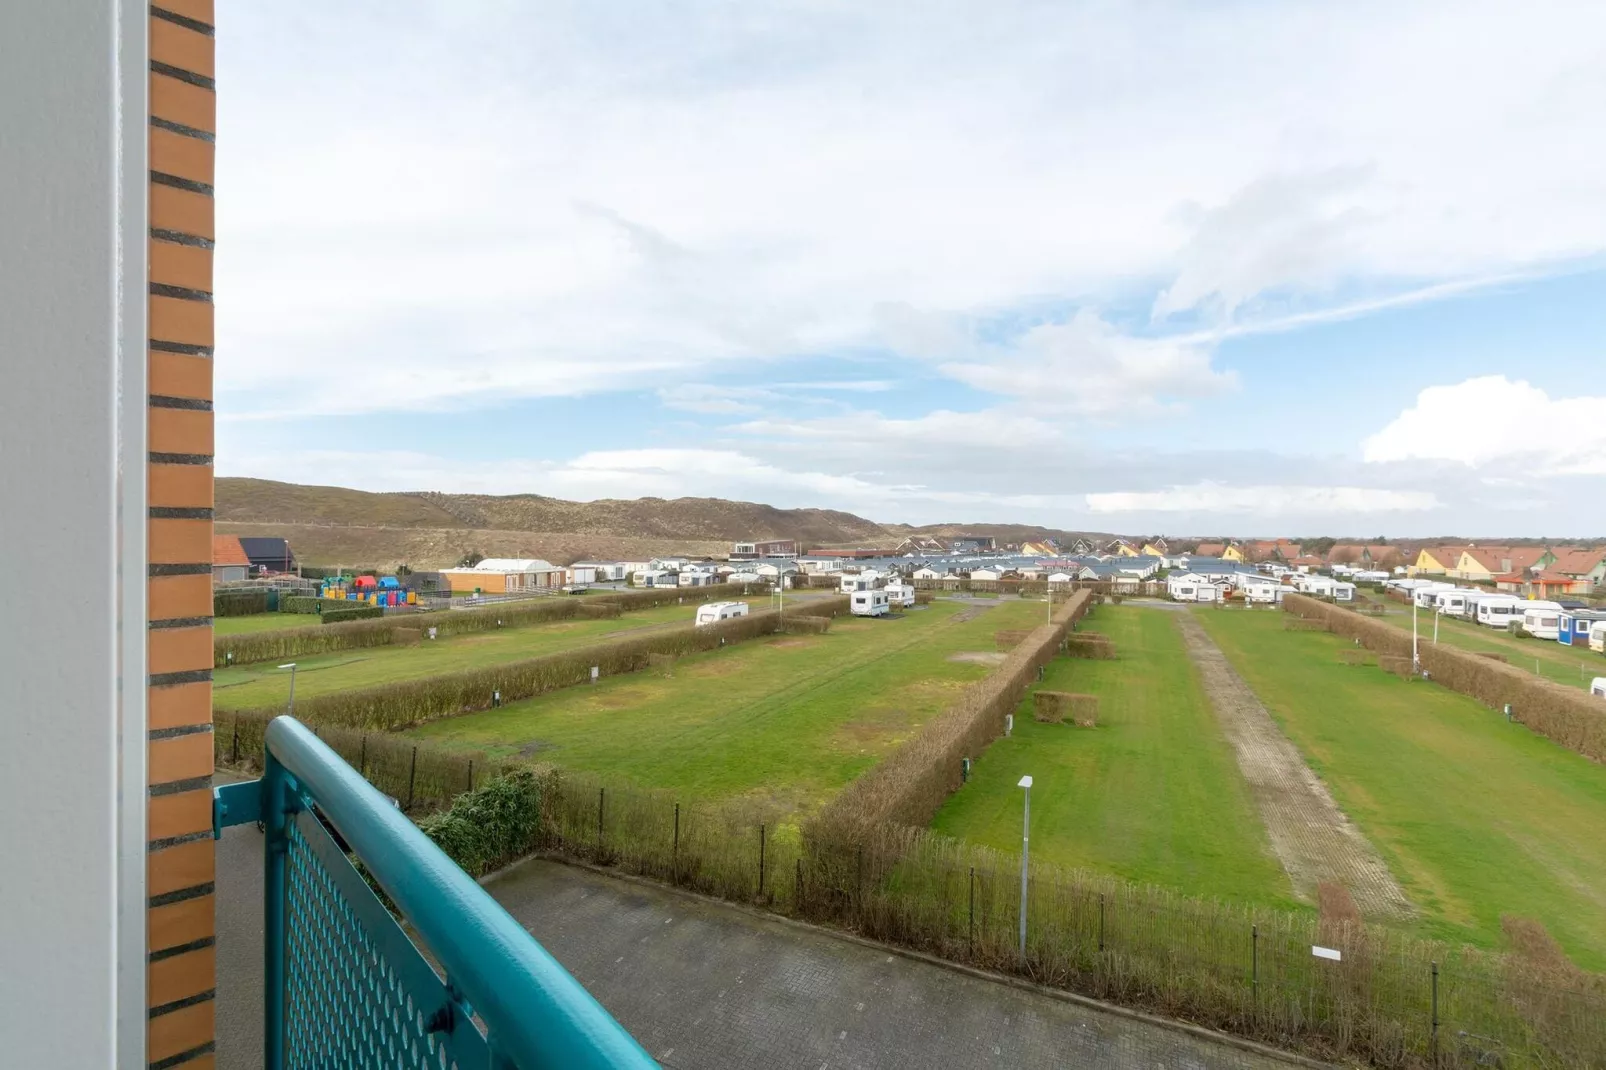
493	825
300	642
239	603
353	612
300	603
1090	645
1050	707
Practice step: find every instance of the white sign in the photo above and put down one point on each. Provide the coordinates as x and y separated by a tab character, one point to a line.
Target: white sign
1327	953
593	674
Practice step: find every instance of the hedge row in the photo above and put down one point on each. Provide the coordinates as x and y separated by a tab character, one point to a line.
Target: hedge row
300	603
908	785
411	702
296	642
239	603
1567	715
352	612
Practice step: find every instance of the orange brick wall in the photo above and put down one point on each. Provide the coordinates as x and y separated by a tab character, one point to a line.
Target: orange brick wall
181	931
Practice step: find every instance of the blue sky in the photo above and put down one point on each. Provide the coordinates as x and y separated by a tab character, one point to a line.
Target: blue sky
1258	268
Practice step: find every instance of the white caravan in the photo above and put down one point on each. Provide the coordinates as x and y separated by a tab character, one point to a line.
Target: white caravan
1423	594
899	594
1542	620
857	581
1343	592
714	612
869	603
1451	603
1597	638
1597	686
1499	613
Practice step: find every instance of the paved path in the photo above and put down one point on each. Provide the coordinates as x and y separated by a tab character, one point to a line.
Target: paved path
1315	841
712	987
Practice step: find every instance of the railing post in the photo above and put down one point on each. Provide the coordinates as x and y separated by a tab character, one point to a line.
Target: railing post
1254	974
1435	1034
273	895
412	777
973	912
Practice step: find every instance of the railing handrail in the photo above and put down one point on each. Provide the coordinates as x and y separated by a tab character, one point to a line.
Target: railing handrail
539	1014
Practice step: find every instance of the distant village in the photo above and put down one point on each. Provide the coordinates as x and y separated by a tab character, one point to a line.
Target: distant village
1255	570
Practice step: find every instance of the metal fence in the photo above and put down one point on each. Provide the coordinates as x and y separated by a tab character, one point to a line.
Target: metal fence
345	985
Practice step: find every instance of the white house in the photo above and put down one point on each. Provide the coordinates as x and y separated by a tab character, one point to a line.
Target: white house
985	574
927	573
603	571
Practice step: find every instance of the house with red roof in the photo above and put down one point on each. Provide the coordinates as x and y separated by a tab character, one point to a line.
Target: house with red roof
229	563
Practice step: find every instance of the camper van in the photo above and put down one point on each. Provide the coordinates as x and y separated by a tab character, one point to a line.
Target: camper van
714	612
1499	612
869	603
899	594
1542	620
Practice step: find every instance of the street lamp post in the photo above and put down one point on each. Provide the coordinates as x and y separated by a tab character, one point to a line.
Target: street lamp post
1025	845
290	709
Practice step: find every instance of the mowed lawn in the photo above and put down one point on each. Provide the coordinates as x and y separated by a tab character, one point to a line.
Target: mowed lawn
1476	817
264	684
1574	666
784	722
263	622
1152	794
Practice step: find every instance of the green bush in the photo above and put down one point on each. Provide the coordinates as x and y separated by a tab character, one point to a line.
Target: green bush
299	603
240	603
492	825
358	611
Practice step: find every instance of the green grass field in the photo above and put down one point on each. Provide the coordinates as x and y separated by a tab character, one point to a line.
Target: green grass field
1476	817
1152	794
262	622
1574	666
784	722
247	686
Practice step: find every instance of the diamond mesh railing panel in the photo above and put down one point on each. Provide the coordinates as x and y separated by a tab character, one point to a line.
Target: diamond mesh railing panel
358	993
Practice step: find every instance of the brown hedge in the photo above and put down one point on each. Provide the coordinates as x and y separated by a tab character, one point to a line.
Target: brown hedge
1569	716
909	784
1090	645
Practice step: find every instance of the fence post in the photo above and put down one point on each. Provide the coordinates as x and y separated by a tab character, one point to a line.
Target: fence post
235	748
972	912
471	774
412	777
1254	974
1435	1034
1101	923
761	861
798	901
674	852
602	797
858	883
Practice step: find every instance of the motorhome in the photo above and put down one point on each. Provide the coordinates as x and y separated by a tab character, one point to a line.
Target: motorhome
1542	620
869	603
1575	625
714	612
1499	613
899	594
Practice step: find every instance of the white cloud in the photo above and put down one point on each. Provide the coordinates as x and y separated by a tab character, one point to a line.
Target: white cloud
1491	419
1208	498
484	202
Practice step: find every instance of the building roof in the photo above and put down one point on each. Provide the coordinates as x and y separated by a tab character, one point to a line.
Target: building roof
1210	549
1575	562
514	564
267	550
1506	558
227	551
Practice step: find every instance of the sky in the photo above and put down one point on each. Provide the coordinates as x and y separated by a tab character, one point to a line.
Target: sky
1154	267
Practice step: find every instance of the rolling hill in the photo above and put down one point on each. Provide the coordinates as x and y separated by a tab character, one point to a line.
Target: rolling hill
338	525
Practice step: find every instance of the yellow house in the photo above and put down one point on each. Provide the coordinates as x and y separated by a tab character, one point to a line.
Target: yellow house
1151	550
1122	548
1437	560
1233	552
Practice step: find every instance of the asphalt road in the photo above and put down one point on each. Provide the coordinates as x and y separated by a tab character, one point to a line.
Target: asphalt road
705	985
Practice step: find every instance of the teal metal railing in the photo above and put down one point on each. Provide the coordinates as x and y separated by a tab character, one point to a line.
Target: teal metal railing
345	984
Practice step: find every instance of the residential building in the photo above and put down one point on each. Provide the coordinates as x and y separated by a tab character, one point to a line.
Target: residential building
971	544
1435	560
1588	565
1485	563
506	575
229	563
749	551
1542	584
268	554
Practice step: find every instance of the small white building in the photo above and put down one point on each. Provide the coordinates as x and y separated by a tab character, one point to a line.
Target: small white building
1059	577
900	594
690	578
927	573
714	612
985	574
506	575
